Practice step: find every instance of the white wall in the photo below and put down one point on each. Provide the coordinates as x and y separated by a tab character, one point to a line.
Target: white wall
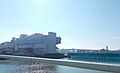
7	45
51	42
39	42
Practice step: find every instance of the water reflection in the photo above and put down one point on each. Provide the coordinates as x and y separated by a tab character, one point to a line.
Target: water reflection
33	67
25	67
11	66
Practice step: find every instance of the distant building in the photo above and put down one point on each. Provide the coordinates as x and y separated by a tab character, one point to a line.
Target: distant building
88	51
107	48
67	51
33	44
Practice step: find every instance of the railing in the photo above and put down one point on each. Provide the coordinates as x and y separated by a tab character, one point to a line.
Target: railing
71	63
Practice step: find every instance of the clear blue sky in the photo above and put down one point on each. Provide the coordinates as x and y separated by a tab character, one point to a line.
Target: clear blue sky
81	23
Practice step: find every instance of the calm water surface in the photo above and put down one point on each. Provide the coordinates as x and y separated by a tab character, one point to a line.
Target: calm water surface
11	66
110	61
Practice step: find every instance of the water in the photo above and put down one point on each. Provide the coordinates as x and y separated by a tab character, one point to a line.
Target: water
102	58
11	66
110	61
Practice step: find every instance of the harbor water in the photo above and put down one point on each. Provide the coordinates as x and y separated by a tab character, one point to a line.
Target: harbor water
92	57
12	66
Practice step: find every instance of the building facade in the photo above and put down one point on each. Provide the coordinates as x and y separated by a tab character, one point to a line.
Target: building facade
33	44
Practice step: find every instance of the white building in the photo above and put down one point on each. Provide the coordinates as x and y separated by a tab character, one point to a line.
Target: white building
34	44
7	47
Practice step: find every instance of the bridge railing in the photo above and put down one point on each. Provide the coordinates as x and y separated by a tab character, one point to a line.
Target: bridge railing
71	63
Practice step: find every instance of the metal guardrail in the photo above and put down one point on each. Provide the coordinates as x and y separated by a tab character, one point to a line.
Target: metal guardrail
71	63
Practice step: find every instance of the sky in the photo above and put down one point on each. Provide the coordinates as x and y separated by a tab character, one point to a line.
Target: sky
82	24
